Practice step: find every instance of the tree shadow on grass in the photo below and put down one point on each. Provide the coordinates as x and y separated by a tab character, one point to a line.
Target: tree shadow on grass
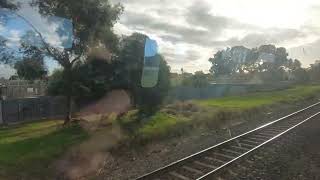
32	157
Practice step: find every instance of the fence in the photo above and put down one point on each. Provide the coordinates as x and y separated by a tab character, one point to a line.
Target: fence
11	89
220	90
30	109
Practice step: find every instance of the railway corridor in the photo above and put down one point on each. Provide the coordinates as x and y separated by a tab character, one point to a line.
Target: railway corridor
241	157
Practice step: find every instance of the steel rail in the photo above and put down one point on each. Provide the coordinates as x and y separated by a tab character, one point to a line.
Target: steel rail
183	160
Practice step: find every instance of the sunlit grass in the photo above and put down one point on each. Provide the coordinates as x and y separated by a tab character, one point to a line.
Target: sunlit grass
262	98
160	124
28	149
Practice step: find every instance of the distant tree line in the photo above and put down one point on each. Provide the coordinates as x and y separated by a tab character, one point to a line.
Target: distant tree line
266	63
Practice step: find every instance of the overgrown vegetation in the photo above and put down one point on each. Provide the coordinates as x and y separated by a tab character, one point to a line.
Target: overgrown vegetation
28	150
183	117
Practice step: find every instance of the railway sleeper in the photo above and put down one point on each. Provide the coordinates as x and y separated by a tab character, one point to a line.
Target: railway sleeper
215	161
205	165
193	170
254	143
176	175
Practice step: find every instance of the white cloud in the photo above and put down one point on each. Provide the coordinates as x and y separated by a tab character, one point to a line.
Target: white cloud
189	32
13	39
1	28
45	26
6	71
205	26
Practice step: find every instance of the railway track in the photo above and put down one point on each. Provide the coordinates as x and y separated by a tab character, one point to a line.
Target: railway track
208	162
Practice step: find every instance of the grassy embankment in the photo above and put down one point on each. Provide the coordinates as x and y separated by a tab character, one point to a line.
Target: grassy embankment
178	118
27	150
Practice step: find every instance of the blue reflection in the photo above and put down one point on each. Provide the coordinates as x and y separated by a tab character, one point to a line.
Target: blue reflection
56	31
151	64
150	48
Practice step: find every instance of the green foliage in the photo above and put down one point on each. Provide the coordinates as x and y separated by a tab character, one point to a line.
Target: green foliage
300	75
185	117
93	79
198	80
92	20
221	64
92	27
6	55
56	84
314	71
240	61
159	125
31	69
28	149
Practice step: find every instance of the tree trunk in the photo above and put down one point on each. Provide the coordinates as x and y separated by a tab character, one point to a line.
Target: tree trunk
68	117
68	79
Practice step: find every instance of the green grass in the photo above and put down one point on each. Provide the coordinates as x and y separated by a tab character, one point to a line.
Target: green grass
159	124
262	98
216	111
28	149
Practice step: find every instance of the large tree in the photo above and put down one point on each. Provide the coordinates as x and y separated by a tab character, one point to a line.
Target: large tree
130	67
92	23
98	75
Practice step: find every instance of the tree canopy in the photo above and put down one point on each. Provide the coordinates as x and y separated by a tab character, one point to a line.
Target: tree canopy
197	80
97	75
31	69
92	23
268	62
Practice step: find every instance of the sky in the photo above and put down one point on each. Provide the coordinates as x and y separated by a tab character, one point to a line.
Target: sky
190	32
56	31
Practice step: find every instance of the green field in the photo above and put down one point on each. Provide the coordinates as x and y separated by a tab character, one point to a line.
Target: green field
262	98
161	123
28	149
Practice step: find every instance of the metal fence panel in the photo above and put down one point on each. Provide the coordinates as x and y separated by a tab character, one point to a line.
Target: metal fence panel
31	109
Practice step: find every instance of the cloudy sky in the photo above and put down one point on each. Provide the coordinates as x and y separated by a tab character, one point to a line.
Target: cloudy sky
189	32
